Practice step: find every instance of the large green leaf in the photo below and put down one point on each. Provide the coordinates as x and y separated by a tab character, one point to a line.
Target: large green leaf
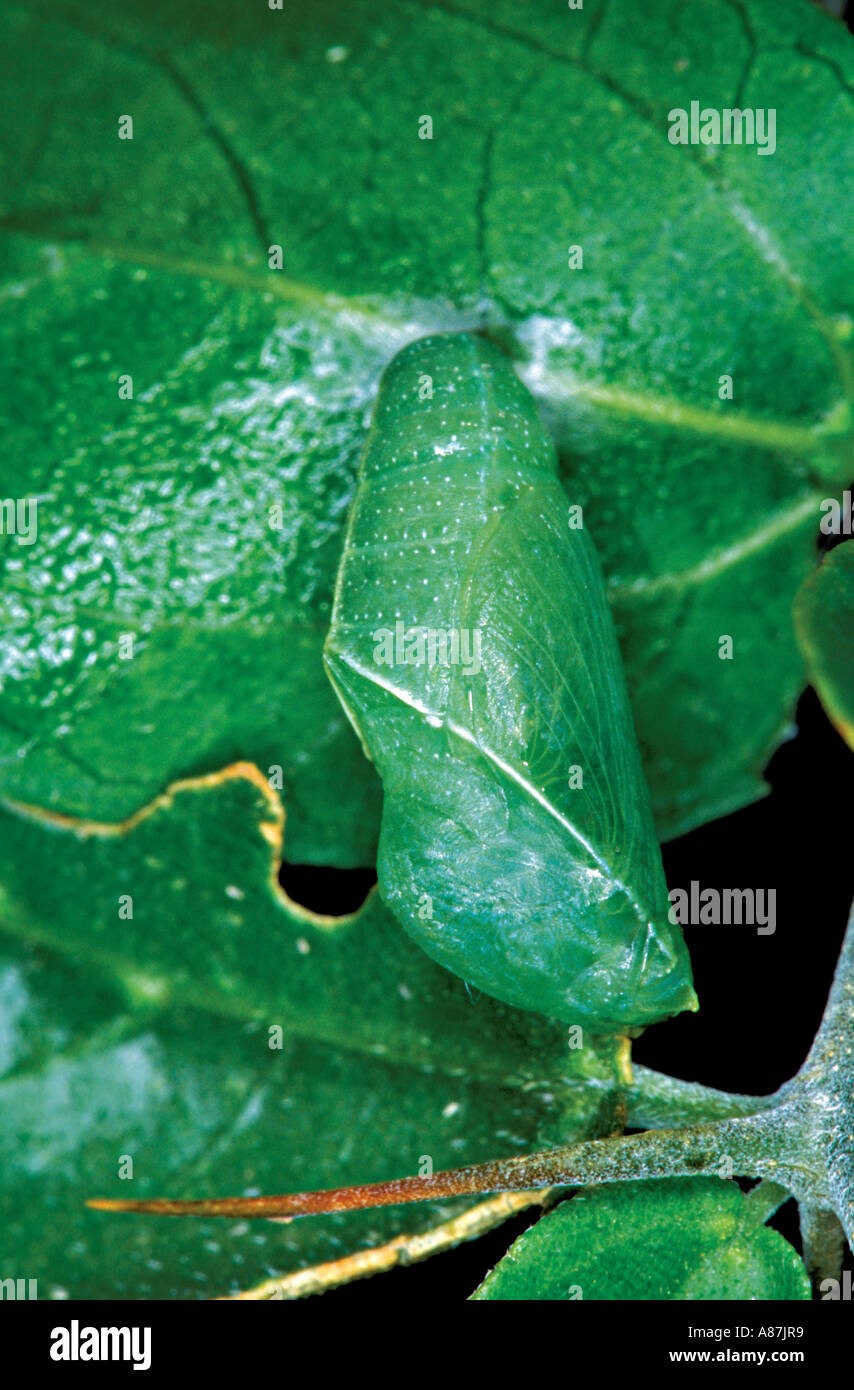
255	127
824	621
476	657
201	1105
228	1041
692	1238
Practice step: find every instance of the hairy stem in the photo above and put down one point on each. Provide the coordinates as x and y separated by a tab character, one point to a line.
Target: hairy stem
763	1200
749	1147
657	1101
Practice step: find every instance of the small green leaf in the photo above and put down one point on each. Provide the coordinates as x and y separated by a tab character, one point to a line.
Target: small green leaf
473	649
824	621
692	1238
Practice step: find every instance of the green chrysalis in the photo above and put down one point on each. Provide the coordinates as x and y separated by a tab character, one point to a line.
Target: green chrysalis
473	650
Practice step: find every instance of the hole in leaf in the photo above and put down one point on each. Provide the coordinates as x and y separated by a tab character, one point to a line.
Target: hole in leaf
332	892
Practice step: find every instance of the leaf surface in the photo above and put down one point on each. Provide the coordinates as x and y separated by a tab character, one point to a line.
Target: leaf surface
257	128
132	1102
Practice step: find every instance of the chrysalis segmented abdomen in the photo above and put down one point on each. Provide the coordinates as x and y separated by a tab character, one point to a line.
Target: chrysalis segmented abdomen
472	647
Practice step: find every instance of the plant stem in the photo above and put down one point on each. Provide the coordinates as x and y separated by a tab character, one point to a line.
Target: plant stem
824	1244
657	1101
762	1201
755	1146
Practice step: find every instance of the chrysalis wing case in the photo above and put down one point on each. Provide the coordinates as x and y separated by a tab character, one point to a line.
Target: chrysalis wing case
473	650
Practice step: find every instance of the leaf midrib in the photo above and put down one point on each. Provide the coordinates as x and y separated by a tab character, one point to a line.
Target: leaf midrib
403	320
